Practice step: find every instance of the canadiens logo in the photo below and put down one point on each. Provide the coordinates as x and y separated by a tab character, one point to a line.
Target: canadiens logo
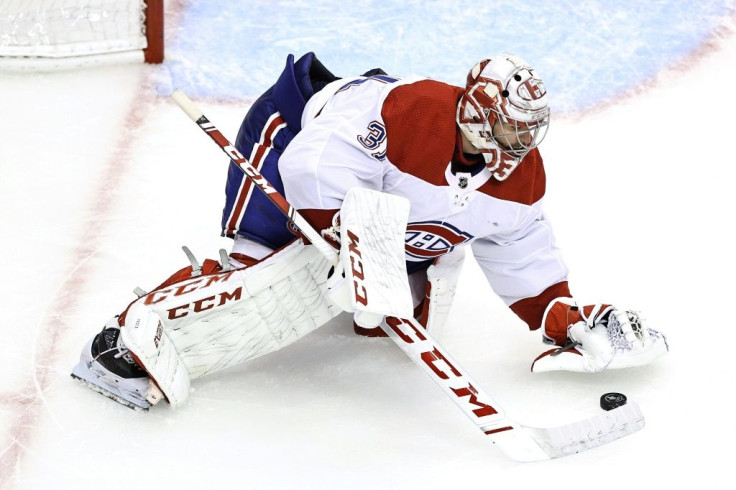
532	89
430	239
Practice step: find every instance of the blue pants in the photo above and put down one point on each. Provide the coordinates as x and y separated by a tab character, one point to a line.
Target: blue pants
268	127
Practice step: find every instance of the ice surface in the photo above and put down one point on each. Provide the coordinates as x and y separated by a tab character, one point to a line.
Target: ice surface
102	179
585	50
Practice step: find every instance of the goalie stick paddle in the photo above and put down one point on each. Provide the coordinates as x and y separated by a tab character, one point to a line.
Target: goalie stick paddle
518	441
254	175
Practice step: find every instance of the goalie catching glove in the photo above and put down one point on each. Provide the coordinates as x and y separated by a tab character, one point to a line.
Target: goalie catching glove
596	337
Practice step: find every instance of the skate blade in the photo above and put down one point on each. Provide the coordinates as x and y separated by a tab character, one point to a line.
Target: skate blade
110	395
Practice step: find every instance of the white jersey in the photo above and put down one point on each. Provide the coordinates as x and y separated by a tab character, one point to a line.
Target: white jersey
399	137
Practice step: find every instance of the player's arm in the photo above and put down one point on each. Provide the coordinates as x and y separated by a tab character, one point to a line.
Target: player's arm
525	268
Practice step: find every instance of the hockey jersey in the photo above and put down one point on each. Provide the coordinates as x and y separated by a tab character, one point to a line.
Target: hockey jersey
398	136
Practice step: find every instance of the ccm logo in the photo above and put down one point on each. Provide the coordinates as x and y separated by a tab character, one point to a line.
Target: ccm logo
440	366
259	179
204	304
244	165
236	156
162	294
356	266
159	334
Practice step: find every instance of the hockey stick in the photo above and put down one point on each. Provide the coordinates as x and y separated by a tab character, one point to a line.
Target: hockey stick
520	442
254	175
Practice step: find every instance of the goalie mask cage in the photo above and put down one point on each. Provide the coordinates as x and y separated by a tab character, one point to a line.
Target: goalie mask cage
52	34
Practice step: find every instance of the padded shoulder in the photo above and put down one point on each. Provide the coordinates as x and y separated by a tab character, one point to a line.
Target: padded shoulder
420	127
297	83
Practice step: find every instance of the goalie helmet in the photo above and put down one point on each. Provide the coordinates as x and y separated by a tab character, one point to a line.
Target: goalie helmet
503	112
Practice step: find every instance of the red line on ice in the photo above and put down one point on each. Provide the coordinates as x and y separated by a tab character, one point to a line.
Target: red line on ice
26	404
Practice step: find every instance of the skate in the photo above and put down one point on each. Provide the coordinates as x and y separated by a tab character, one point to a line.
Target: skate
107	367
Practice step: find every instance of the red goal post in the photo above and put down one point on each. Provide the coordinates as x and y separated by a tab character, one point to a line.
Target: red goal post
51	34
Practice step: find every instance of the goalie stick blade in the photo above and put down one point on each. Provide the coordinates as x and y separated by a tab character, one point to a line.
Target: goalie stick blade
519	442
109	394
568	439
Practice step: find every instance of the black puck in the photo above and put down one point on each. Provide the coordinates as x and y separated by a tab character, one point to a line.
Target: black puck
609	401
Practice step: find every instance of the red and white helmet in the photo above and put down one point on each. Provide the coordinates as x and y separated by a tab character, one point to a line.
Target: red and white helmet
503	112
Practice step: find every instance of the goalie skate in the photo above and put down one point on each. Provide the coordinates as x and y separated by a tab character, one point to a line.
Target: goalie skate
106	366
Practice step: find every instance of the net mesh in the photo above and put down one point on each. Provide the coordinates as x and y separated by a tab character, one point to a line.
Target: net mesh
67	28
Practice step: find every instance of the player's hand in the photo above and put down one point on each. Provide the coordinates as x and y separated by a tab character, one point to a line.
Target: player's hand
592	338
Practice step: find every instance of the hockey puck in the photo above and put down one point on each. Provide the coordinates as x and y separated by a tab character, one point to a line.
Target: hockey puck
609	401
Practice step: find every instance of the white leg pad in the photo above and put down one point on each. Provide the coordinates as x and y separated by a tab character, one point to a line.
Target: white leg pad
208	323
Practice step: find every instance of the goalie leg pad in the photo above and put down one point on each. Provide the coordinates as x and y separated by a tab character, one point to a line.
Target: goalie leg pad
442	278
208	323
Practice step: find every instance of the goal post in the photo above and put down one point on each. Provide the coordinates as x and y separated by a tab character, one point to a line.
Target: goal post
53	34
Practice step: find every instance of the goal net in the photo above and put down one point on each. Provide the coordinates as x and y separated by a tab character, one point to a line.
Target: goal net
48	34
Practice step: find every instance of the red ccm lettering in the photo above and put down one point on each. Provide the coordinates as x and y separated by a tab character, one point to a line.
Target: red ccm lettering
356	266
188	287
406	330
204	304
450	378
483	409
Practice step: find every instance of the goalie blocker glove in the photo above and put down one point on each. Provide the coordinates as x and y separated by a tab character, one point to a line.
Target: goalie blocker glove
596	337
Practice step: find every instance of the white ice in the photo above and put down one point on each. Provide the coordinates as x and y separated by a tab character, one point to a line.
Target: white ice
101	183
